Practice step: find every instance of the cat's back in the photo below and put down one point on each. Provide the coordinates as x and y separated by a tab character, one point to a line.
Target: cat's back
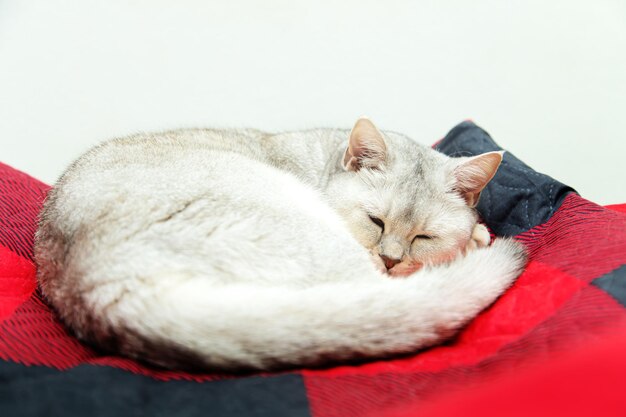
135	179
158	148
147	163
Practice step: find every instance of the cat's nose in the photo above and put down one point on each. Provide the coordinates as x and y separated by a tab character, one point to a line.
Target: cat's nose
389	262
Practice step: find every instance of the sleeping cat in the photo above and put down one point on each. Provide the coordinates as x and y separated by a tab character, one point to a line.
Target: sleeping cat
243	250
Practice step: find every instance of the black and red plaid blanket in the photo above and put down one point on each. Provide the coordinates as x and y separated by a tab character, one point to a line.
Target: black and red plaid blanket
554	344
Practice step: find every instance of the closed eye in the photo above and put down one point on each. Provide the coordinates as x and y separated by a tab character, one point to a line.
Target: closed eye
377	222
423	237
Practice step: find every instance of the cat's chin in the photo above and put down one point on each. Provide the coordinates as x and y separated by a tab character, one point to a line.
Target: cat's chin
398	271
404	270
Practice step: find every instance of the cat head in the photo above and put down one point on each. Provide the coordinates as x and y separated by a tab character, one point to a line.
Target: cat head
408	204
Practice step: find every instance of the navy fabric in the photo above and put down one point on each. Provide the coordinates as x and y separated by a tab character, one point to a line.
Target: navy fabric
98	391
614	283
531	197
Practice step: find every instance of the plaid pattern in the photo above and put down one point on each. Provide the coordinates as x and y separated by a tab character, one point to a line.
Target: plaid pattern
572	296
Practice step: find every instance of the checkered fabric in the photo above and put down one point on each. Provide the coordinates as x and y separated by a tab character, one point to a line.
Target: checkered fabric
551	345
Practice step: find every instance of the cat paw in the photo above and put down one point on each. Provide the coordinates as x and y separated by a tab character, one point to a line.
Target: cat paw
480	238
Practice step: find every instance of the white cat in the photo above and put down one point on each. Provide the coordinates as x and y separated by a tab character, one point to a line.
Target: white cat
243	250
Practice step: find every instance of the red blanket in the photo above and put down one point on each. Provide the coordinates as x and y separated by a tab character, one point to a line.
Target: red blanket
552	345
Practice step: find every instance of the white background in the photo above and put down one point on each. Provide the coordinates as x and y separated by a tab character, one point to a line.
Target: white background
546	78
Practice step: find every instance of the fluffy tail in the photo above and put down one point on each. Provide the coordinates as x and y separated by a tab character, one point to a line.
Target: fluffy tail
238	327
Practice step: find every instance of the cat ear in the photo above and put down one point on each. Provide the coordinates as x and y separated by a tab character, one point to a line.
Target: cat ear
471	175
366	147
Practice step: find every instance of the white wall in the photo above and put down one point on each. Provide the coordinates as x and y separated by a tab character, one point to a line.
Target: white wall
546	78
